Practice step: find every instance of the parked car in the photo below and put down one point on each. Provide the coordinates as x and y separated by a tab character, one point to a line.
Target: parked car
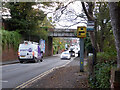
65	55
72	52
29	51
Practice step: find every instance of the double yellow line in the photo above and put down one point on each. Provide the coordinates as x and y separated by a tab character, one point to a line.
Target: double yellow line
29	82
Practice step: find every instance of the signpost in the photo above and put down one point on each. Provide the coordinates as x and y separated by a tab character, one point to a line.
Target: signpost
81	54
90	26
81	33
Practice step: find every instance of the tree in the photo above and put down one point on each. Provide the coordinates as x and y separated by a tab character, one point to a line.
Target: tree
89	14
23	17
46	23
58	44
28	21
66	13
103	22
114	8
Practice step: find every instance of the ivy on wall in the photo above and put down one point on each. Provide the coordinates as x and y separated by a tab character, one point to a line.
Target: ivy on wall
10	38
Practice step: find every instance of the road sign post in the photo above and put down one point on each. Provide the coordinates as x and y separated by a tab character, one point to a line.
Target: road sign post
81	33
90	26
81	54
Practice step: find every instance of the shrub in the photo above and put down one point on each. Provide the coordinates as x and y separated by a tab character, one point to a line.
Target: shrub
10	38
106	57
102	70
103	75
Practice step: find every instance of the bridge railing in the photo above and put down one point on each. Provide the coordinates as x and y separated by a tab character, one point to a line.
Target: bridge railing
62	32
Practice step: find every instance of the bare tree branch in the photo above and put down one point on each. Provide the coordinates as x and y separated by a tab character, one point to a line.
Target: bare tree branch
86	12
72	24
62	9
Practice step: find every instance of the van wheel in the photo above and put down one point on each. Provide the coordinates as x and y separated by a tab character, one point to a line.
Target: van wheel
21	61
41	60
35	60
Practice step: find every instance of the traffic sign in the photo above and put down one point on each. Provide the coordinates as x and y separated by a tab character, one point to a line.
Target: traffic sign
81	32
90	26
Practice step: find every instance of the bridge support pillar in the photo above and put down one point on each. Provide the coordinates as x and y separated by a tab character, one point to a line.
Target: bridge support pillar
50	46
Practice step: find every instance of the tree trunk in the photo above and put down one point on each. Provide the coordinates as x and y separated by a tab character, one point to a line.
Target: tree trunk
115	22
90	17
102	37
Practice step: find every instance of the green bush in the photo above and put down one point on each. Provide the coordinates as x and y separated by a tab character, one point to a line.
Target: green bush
57	45
103	75
10	38
106	56
102	70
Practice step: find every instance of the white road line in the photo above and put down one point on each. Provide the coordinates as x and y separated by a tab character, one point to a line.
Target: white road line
11	70
29	82
4	81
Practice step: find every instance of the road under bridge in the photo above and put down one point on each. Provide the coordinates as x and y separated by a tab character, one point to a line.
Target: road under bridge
58	32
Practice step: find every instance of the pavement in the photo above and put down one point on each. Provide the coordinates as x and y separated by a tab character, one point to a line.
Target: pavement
17	61
68	76
9	62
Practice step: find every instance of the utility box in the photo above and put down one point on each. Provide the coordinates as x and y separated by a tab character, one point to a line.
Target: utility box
81	32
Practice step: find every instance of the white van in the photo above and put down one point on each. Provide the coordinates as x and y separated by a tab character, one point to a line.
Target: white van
29	51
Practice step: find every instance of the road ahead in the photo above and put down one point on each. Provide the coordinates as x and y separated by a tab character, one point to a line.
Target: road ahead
16	74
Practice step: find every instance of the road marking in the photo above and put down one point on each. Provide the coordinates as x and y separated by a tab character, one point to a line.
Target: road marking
4	81
11	70
34	79
29	82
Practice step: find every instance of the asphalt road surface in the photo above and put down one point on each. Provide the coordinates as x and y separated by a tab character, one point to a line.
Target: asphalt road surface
14	75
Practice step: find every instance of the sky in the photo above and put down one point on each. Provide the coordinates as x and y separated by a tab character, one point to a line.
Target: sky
67	18
75	8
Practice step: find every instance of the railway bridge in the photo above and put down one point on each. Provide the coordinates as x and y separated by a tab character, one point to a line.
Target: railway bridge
58	32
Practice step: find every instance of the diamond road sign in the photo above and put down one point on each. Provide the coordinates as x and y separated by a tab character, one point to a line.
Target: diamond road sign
90	26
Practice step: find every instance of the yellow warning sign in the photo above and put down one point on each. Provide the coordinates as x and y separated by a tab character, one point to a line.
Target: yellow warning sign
81	32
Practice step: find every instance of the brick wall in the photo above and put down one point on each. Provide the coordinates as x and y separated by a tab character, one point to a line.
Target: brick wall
9	54
48	47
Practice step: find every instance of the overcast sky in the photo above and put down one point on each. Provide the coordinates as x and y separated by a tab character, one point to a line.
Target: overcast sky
67	18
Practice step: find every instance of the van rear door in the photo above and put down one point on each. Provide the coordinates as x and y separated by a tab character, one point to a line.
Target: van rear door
26	51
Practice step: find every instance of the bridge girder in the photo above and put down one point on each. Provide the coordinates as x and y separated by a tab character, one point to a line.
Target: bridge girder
62	32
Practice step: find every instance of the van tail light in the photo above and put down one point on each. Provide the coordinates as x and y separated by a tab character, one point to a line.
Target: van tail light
18	53
33	53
